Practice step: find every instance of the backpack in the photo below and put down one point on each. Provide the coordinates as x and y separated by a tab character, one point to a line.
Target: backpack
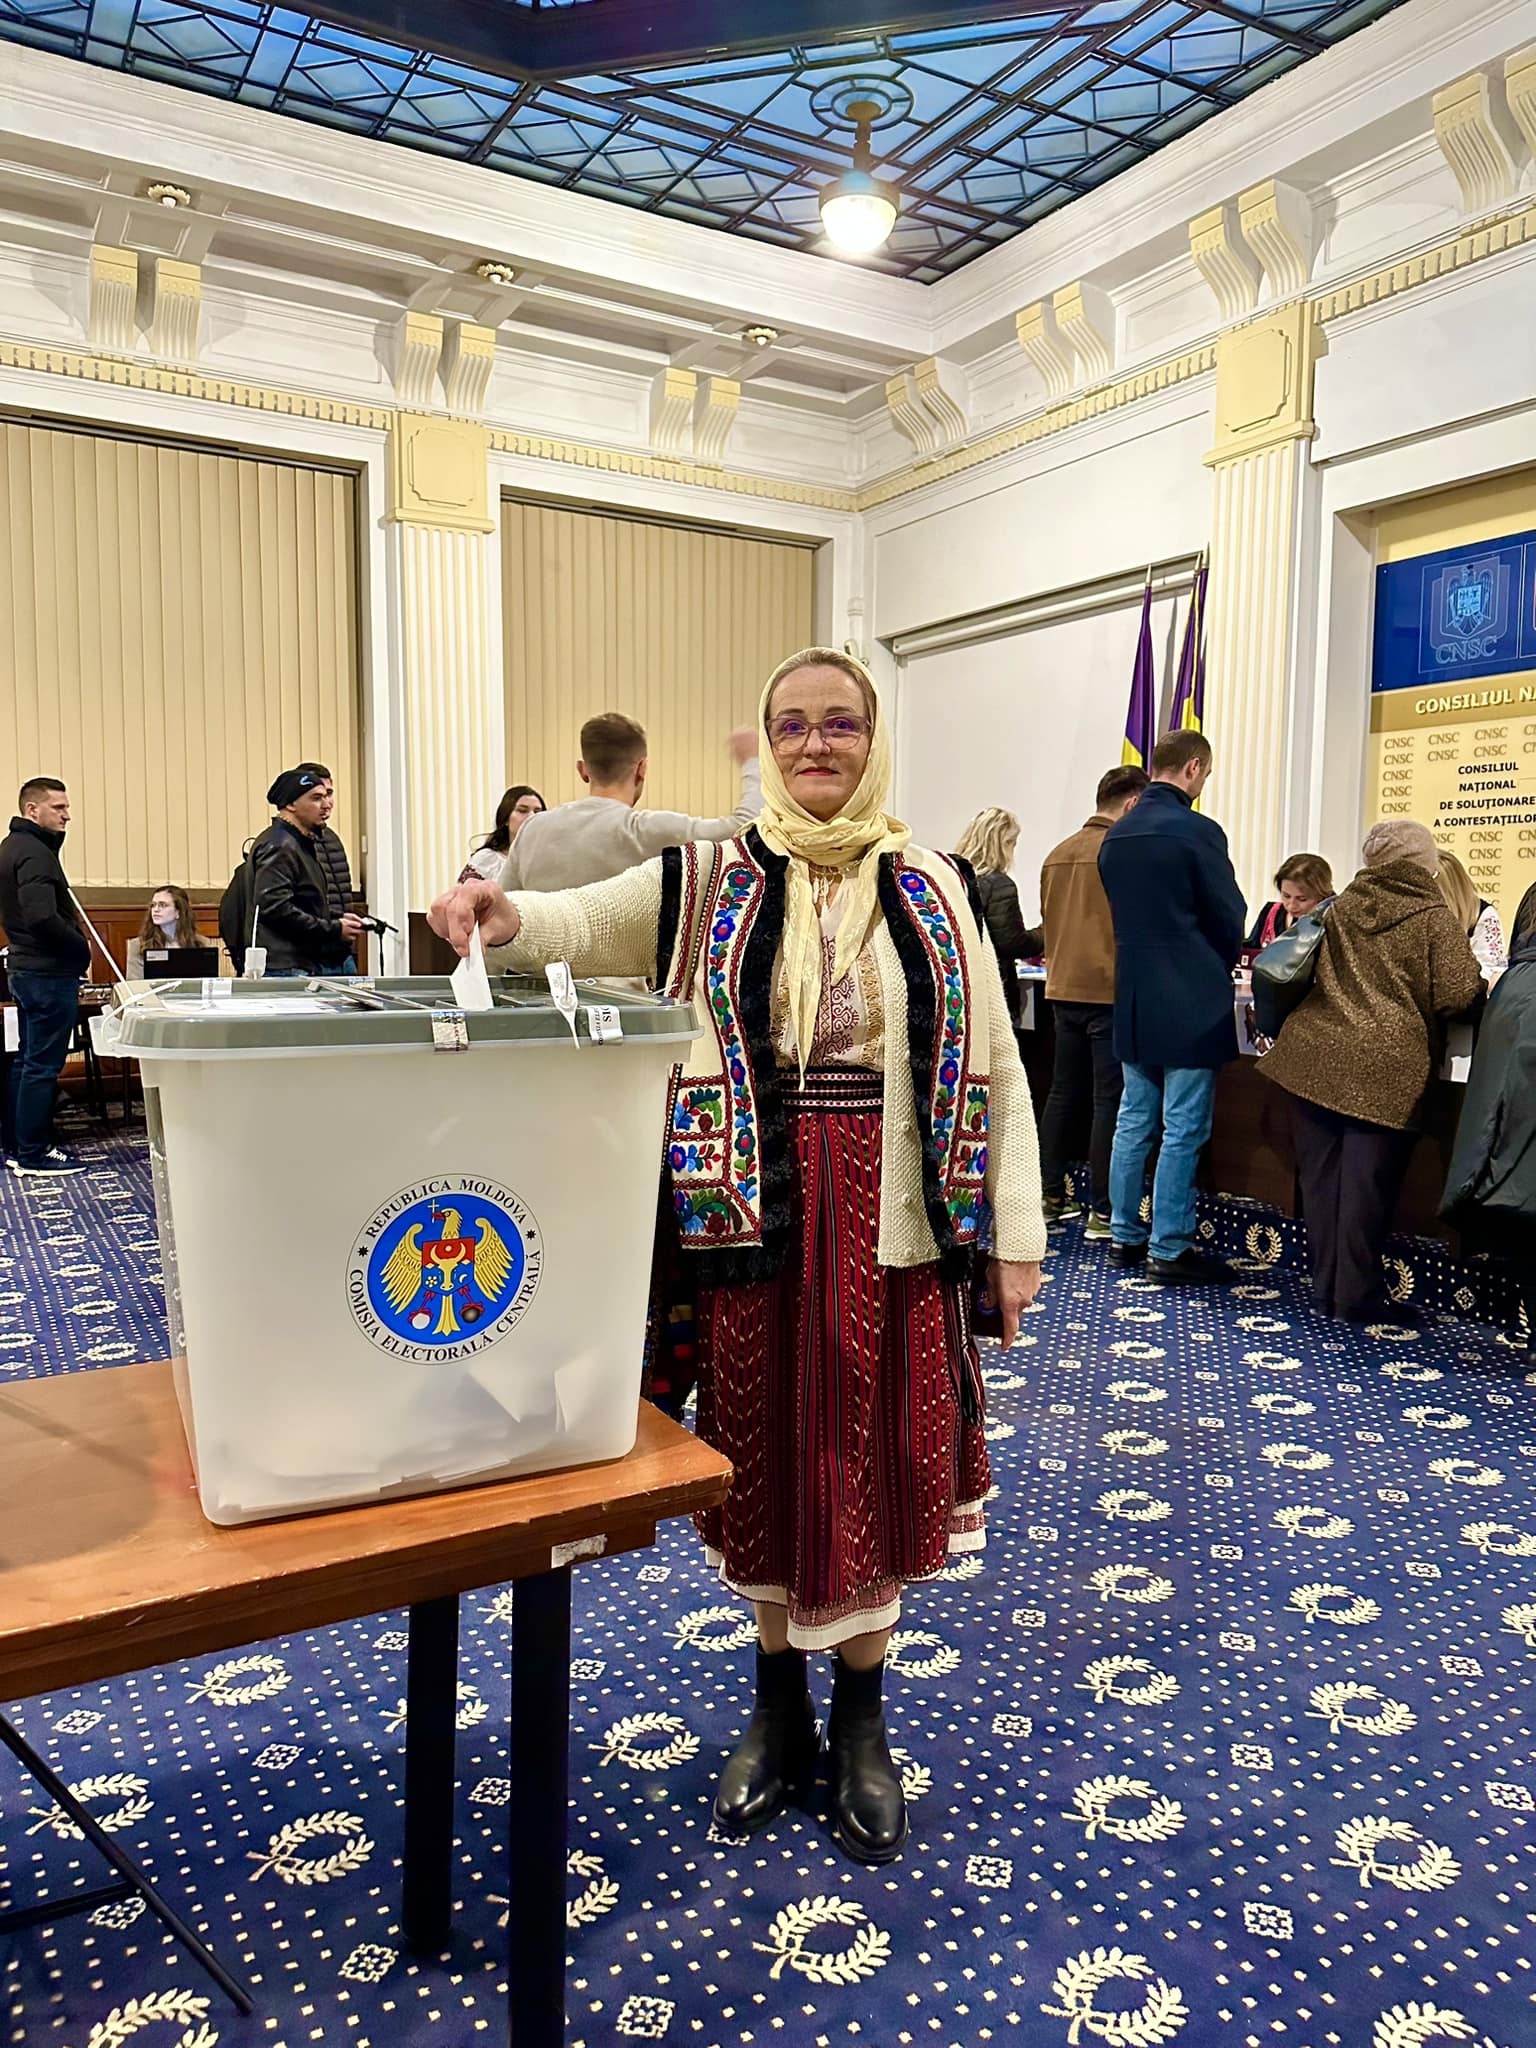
236	906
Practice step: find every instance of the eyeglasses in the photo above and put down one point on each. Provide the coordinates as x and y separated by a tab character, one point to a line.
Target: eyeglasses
841	729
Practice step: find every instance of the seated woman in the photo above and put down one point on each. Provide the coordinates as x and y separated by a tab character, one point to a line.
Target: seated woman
989	843
169	921
1475	914
856	1096
1357	1052
1302	882
520	803
1490	1191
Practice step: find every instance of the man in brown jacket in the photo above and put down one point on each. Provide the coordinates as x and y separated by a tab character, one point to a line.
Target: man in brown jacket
1080	987
1357	1053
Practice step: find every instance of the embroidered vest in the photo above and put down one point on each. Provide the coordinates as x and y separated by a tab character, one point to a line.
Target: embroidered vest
728	1154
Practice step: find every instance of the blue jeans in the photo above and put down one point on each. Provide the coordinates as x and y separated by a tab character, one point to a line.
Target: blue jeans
1176	1101
48	1008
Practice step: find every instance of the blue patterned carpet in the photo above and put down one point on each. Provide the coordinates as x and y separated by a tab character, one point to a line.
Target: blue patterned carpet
1227	1739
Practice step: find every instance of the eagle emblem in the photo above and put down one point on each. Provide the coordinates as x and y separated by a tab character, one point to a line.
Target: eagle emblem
444	1284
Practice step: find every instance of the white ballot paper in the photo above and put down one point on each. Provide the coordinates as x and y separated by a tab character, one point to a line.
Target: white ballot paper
471	983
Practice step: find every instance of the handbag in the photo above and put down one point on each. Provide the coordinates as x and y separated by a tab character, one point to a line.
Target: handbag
1285	970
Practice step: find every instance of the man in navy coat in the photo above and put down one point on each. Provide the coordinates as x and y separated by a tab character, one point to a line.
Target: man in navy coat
1179	920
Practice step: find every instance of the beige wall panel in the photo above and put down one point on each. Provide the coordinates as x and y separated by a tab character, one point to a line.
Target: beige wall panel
175	627
678	626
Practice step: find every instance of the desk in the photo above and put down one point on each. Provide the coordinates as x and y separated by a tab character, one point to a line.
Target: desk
94	1475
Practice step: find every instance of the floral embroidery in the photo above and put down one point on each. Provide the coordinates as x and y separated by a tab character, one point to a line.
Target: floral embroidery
702	1127
959	1135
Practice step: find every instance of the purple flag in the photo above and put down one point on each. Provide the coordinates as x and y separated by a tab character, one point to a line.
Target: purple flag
1188	713
1141	714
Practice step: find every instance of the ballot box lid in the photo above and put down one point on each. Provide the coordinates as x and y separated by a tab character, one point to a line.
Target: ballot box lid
209	1018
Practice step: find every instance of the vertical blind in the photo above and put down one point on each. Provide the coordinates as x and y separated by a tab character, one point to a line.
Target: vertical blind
677	626
175	627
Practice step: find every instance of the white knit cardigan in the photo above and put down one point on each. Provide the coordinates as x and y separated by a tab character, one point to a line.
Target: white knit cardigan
611	928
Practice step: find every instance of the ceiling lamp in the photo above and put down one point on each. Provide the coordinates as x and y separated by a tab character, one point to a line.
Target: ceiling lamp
858	210
494	271
168	195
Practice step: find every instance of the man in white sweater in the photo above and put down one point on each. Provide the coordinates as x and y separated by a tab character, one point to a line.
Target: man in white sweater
602	835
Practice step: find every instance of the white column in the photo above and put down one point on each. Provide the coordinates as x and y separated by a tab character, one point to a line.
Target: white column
1263	534
446	574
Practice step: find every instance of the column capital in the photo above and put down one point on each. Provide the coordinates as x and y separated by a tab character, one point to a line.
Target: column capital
439	474
1264	375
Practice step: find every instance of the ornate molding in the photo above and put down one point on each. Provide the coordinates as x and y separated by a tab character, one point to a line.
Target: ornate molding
1264	383
1473	245
437	473
175	383
1054	419
1037	338
419	350
1276	223
1222	259
714	417
1472	145
908	416
1085	321
673	397
173	327
113	323
1520	92
941	406
677	470
468	361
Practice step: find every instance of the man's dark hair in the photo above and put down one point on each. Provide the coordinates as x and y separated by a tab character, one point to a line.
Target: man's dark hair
317	768
34	791
1118	784
610	744
1175	750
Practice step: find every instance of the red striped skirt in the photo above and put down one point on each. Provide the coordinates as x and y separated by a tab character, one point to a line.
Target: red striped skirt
846	1394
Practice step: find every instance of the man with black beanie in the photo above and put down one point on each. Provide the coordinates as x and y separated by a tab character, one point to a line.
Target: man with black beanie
296	919
48	958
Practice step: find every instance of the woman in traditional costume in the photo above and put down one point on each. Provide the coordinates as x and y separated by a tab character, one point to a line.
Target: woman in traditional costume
855	1101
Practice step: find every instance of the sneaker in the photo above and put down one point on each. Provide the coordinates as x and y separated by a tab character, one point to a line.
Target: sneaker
53	1163
1190	1269
1098	1229
1061	1208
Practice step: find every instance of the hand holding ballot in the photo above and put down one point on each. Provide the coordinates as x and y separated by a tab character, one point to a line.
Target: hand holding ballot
457	912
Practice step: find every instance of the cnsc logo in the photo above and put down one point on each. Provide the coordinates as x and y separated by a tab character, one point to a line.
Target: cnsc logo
444	1268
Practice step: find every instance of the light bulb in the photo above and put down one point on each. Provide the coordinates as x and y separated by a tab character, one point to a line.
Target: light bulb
858	213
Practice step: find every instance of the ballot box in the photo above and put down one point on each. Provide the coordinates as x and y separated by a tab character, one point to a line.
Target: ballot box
405	1247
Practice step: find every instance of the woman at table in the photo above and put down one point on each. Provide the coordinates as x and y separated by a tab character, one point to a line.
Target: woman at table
520	803
989	843
1357	1053
1490	1191
1302	884
856	1096
169	921
1478	918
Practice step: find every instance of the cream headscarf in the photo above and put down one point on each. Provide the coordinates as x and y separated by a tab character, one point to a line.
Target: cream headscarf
854	841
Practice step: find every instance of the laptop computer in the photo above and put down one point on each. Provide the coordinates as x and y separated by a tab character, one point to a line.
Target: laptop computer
180	963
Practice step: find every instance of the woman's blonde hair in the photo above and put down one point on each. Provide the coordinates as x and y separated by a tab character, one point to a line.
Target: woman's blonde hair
989	841
1459	890
825	657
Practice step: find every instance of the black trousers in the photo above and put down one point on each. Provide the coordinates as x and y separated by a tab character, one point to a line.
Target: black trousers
1351	1176
1085	1082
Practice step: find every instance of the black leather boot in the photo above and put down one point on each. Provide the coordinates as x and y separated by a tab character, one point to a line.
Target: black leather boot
775	1761
869	1809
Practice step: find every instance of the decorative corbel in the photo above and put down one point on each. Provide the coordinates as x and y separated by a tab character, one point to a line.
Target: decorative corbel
714	417
908	416
1471	143
673	397
945	410
1520	91
1276	224
1085	321
1222	259
177	310
113	320
468	360
1037	338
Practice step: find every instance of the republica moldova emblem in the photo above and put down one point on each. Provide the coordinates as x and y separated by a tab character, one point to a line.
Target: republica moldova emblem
444	1268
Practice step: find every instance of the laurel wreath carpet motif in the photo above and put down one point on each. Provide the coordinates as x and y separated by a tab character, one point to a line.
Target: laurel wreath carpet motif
1227	1739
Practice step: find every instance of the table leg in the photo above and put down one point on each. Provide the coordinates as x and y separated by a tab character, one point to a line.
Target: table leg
431	1690
540	1763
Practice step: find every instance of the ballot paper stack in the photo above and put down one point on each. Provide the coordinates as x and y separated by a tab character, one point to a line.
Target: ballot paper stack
406	1225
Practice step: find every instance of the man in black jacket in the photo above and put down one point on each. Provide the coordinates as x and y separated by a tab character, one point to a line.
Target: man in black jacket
48	959
1179	920
296	920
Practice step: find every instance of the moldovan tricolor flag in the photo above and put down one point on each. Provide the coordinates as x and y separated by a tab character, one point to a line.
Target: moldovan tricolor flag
1141	715
1188	713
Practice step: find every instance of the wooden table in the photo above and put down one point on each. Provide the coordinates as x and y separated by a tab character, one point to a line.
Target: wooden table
107	1566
